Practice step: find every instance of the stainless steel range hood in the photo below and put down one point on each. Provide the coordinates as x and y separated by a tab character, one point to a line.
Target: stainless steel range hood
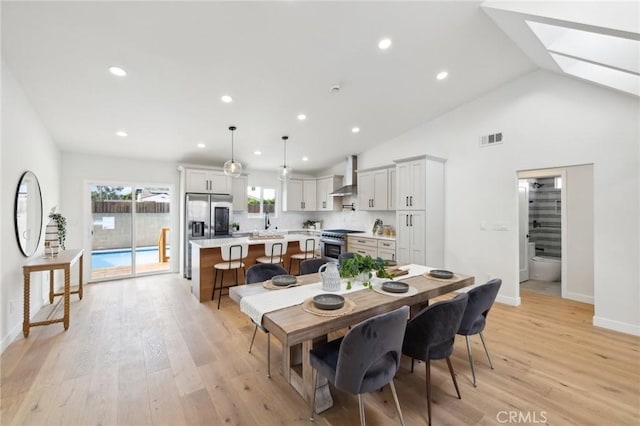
350	180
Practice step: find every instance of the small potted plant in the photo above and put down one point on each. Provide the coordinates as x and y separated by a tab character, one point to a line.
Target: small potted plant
307	224
235	226
61	225
360	268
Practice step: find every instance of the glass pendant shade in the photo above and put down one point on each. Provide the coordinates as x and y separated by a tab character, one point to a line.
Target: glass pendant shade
284	172
232	168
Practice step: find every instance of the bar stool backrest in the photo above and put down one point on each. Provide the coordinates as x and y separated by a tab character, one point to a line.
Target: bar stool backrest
275	249
234	251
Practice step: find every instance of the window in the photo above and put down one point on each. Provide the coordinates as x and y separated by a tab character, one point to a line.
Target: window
261	200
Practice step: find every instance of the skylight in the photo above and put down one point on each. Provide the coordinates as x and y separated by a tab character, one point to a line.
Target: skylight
601	58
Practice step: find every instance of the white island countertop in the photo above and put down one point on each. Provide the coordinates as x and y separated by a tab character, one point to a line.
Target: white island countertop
372	235
289	236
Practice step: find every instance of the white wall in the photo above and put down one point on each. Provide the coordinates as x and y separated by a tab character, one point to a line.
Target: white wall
26	145
80	169
547	121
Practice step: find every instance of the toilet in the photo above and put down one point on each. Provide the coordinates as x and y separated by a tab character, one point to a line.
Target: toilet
544	268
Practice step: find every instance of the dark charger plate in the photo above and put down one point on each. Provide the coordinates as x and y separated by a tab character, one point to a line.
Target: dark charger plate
283	280
395	287
441	273
328	301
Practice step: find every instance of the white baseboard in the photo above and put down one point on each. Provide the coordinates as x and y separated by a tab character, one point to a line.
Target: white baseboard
511	301
620	326
579	298
15	332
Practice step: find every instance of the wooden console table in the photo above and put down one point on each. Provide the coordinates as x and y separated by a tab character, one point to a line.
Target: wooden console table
65	260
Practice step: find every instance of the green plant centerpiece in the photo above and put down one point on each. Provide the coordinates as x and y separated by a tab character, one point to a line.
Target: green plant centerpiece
61	223
307	224
361	268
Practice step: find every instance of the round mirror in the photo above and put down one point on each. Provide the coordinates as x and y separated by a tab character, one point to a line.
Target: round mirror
28	213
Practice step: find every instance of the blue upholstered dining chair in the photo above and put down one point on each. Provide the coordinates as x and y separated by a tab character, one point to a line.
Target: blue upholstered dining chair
430	335
311	266
343	256
256	274
481	300
365	359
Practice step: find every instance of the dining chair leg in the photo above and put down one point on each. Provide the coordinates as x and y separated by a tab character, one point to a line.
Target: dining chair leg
268	354
253	338
486	350
473	371
453	376
314	373
363	422
395	399
412	360
428	380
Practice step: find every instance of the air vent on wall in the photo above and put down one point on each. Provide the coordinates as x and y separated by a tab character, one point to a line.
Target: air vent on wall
489	140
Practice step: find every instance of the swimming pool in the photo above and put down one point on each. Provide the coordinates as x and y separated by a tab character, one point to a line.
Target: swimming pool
122	257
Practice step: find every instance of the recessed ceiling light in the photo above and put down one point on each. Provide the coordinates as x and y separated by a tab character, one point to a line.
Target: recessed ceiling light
442	75
302	117
122	134
355	129
226	99
257	152
201	145
384	44
117	71
305	158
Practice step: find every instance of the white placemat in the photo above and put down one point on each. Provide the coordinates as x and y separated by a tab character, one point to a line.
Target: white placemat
257	305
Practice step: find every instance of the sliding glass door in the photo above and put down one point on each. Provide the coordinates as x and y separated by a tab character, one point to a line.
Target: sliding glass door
130	231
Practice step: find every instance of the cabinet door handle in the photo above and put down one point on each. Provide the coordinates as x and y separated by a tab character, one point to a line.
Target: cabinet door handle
411	220
411	200
324	204
406	203
373	203
406	219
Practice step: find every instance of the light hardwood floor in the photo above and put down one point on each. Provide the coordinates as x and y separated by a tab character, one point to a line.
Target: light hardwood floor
144	351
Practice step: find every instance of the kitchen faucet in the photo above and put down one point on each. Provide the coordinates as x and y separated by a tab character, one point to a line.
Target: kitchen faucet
267	224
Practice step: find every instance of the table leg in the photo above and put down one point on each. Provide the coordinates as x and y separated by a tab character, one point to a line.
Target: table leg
323	399
67	295
27	294
80	276
51	286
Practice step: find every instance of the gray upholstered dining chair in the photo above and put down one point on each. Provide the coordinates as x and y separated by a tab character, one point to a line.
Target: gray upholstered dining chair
430	335
256	274
311	266
481	300
365	359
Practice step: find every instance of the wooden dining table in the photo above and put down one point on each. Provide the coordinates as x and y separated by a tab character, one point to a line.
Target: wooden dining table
299	331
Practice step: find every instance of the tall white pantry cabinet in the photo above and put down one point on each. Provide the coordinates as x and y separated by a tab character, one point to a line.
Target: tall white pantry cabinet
420	211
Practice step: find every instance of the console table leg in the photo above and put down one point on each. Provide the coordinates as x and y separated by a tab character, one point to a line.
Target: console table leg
51	286
67	291
80	277
25	323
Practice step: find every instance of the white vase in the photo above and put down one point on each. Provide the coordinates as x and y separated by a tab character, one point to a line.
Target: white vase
51	244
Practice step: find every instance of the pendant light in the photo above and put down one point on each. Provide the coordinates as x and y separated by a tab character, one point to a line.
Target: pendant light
284	172
232	168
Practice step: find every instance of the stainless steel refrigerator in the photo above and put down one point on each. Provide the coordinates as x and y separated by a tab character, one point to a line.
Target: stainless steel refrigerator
206	216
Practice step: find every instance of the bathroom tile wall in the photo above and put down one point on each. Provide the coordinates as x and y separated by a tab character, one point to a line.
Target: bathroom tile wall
544	217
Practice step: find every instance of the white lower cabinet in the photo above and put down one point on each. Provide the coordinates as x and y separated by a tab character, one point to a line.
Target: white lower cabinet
374	247
410	237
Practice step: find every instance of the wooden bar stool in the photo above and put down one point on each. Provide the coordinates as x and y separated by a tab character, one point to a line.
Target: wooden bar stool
232	254
274	252
308	248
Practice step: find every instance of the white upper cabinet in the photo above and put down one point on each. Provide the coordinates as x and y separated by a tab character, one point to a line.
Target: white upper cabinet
239	193
411	185
391	195
325	186
207	181
300	195
373	189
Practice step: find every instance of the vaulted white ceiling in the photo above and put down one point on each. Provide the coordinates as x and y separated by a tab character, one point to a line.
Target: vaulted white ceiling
276	59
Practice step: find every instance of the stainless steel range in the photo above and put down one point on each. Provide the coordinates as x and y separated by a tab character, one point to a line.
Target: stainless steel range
333	242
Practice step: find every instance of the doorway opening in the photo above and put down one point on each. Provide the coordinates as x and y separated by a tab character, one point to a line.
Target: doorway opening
130	230
555	232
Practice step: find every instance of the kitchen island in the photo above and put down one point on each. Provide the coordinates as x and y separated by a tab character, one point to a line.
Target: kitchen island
206	253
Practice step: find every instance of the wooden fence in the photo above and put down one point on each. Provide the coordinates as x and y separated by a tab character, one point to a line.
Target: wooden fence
124	206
